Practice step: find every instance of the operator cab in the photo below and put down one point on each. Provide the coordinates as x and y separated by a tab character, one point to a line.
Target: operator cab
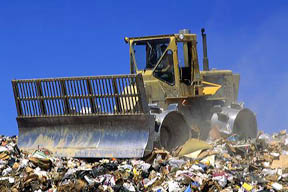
167	57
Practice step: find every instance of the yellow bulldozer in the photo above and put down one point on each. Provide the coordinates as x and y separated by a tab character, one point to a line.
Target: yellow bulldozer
165	101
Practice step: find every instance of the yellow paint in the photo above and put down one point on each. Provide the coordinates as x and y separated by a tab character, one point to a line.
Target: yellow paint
210	88
157	91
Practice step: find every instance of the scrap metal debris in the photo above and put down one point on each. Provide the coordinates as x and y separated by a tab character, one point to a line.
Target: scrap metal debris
226	164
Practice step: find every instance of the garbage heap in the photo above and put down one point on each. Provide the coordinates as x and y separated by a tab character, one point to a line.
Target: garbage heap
225	164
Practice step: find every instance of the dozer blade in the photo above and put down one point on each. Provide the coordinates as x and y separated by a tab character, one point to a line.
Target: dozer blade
107	136
105	116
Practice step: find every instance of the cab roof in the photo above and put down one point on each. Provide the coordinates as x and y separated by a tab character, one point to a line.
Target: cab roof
189	36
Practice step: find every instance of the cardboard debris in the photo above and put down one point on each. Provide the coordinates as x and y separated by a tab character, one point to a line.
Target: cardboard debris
281	163
193	145
194	155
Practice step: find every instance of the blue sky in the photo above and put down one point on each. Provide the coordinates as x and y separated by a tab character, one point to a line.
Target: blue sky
77	38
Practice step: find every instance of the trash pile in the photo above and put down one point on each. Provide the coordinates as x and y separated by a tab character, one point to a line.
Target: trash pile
226	164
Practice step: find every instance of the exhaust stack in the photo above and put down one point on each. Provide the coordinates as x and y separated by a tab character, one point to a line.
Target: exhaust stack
205	57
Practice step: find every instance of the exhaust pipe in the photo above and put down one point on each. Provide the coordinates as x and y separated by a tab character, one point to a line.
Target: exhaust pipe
241	121
205	57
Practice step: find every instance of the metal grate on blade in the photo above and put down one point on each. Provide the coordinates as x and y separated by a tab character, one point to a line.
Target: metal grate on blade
94	95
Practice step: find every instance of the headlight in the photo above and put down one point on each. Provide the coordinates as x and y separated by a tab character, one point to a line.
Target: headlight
181	36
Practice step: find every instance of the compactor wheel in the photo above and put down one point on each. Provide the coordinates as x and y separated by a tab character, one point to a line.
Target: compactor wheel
174	131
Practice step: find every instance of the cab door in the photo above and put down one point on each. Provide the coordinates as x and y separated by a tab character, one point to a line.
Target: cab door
161	78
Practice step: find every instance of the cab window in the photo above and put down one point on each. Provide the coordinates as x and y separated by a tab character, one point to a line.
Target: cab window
165	69
147	53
